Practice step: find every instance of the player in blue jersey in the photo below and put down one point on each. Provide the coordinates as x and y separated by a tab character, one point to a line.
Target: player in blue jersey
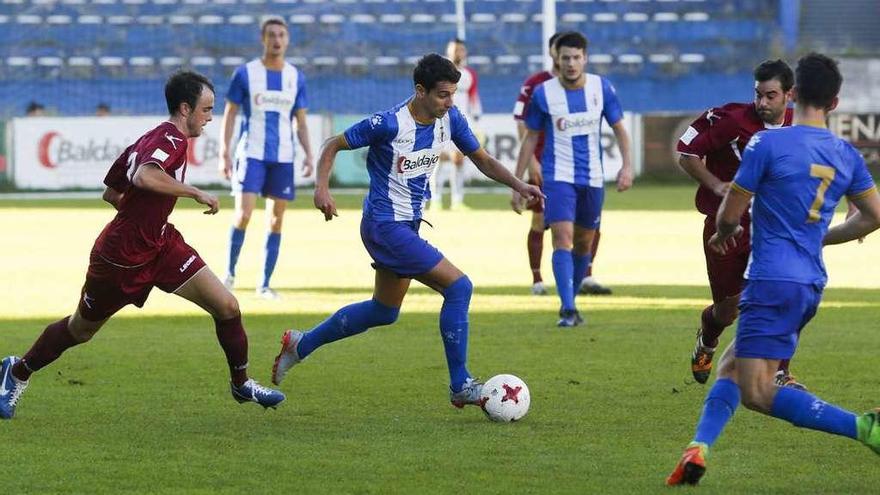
794	178
569	110
405	144
271	94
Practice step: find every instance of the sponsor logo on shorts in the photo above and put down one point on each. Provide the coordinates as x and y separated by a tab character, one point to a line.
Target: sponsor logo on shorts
188	262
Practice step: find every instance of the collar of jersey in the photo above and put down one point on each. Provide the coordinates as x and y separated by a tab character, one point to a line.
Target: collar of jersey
819	124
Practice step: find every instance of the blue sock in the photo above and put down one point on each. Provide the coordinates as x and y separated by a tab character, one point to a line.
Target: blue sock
350	320
718	408
563	272
805	410
236	239
454	329
580	262
273	243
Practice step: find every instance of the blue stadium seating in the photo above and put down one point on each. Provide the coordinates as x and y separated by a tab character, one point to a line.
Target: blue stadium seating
661	54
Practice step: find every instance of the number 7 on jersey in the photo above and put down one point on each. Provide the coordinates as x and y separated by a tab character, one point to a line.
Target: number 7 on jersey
826	174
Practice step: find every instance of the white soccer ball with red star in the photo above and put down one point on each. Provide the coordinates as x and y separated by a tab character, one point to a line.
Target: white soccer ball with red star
505	398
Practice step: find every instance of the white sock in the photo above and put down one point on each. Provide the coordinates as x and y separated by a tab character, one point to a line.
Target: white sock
436	186
456	183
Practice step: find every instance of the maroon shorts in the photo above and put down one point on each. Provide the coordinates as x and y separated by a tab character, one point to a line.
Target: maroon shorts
110	287
726	271
537	206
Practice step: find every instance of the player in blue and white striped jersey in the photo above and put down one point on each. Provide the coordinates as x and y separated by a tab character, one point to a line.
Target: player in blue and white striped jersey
405	145
271	93
569	110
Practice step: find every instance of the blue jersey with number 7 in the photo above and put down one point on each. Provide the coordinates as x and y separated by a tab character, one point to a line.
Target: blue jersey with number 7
797	176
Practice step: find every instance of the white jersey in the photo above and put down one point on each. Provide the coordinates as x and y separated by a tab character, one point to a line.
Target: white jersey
403	155
571	120
467	96
268	99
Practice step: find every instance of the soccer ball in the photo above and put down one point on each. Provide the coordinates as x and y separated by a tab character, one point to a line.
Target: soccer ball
505	398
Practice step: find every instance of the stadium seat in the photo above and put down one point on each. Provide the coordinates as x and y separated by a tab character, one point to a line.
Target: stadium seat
72	43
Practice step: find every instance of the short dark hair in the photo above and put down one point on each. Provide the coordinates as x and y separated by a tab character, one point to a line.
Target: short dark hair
572	39
433	68
775	69
269	21
818	80
554	37
34	106
185	86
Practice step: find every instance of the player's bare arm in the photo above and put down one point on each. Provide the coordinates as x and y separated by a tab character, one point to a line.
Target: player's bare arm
323	199
151	177
228	128
534	166
526	154
851	210
302	134
696	168
728	225
493	169
112	196
627	173
865	220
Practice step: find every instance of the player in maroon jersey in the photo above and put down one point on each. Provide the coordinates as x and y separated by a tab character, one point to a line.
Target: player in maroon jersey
139	250
535	239
710	152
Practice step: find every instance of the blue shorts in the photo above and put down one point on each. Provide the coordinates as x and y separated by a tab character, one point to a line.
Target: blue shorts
264	178
397	247
772	315
568	202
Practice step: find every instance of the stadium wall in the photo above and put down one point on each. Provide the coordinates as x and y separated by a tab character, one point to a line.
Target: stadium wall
56	153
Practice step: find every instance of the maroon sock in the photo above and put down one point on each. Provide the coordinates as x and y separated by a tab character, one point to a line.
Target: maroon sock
594	250
783	365
711	328
233	340
55	339
535	245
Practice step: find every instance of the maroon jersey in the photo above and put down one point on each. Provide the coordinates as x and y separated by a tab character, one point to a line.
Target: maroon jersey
140	228
522	103
720	135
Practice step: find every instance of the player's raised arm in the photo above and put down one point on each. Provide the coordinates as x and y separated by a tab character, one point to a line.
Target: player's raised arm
227	130
323	199
151	177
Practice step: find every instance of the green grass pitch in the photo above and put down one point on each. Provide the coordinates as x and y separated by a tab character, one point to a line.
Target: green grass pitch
145	406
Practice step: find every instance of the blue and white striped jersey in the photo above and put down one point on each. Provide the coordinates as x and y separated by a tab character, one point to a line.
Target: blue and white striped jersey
572	122
403	154
268	99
